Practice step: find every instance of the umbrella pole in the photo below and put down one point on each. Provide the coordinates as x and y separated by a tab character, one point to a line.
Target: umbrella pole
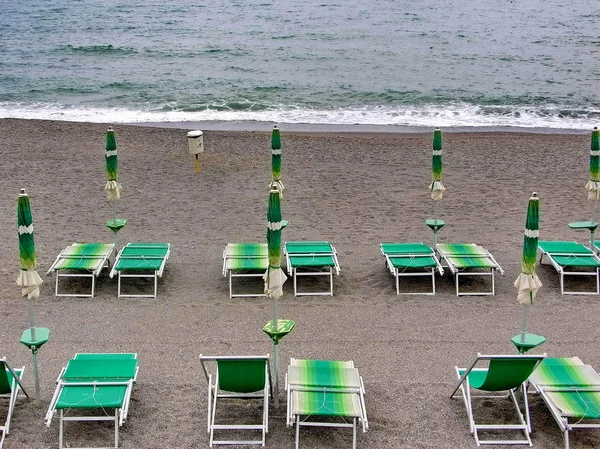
275	357
34	354
592	230
115	223
435	218
525	318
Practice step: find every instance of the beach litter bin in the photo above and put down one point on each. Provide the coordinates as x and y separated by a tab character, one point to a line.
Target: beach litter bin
196	145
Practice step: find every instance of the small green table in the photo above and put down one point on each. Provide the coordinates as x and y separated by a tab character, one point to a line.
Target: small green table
284	327
435	224
525	342
42	335
590	226
116	224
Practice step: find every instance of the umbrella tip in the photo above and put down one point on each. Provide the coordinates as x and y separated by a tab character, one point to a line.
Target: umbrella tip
595	128
276	127
534	195
110	128
22	192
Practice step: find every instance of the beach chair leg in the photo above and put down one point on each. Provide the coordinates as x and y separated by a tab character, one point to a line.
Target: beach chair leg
396	274
61	430
456	276
354	434
93	284
155	284
493	281
116	428
597	281
119	285
3	435
566	438
433	280
562	283
330	282
297	430
295	281
230	286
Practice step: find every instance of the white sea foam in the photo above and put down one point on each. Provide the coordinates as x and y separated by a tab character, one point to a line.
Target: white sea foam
446	116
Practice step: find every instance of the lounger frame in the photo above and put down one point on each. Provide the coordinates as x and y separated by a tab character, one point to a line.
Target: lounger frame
563	272
138	273
247	273
68	273
297	271
12	396
119	417
459	272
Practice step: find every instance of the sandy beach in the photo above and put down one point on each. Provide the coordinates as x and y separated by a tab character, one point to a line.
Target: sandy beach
355	190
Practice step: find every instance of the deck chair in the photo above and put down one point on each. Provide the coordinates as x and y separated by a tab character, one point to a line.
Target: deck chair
94	382
571	391
81	260
469	259
503	373
325	393
571	259
243	260
411	259
311	259
10	385
141	260
237	377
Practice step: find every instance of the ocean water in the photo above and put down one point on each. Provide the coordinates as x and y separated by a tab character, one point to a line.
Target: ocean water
449	63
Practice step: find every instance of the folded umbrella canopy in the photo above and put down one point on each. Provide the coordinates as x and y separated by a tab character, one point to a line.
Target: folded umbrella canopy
276	157
113	187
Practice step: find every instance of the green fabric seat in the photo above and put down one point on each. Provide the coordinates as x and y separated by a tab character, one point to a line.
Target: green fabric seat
503	373
245	260
141	260
311	258
10	386
469	259
94	381
326	403
81	260
571	259
413	262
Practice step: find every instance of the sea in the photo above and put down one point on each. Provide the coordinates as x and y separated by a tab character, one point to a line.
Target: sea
386	64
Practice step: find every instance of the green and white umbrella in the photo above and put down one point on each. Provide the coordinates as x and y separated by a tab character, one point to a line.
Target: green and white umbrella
593	184
276	157
528	283
436	187
112	187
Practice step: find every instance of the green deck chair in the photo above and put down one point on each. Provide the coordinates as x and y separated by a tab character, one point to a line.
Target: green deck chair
245	260
411	259
237	378
94	382
503	373
571	391
469	259
311	259
141	260
85	260
571	259
10	385
321	393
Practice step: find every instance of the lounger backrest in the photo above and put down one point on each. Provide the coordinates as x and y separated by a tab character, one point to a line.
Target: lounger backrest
507	373
5	382
100	369
243	375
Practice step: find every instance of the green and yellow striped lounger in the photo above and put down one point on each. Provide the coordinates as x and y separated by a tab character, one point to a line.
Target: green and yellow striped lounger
311	259
469	259
141	260
324	390
571	259
81	260
571	391
411	259
94	381
244	260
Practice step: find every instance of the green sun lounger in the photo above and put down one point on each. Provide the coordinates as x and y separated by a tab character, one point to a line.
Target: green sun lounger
411	259
245	260
94	381
311	259
81	260
571	391
141	260
571	259
469	259
320	393
237	378
10	385
503	373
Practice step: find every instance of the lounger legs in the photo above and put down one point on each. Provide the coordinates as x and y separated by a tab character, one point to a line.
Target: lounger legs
492	274
63	419
82	295
296	273
318	424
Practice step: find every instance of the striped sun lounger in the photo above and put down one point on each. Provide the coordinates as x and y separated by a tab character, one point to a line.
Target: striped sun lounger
243	260
411	259
320	390
81	260
469	259
94	381
311	259
571	391
571	259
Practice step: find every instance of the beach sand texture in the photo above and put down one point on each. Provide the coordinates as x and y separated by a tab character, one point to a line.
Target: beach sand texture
354	190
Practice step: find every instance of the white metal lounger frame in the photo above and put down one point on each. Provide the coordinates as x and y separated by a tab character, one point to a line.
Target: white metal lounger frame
15	386
119	417
562	272
93	275
230	274
563	421
293	271
429	271
457	272
157	273
290	421
213	395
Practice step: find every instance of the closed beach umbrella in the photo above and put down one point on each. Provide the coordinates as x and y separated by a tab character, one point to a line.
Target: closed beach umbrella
527	282
113	187
276	157
593	184
436	186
